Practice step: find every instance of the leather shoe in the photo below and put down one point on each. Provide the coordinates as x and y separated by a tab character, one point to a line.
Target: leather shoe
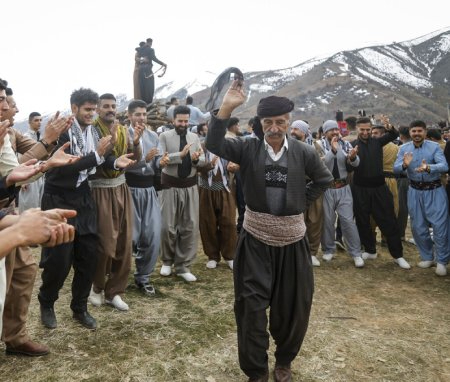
282	373
29	348
85	319
264	378
48	318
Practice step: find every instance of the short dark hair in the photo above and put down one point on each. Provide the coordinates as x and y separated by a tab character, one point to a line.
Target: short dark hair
351	122
200	127
32	115
232	121
107	96
83	95
4	86
418	123
434	133
173	99
149	40
181	109
189	100
362	120
379	127
404	130
251	121
134	104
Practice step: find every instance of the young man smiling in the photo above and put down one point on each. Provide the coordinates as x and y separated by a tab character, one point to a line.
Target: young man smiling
424	162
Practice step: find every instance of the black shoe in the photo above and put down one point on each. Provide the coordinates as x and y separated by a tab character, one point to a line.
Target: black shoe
146	288
85	319
48	318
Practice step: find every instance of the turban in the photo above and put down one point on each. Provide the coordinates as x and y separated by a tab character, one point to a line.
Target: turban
301	125
273	106
329	125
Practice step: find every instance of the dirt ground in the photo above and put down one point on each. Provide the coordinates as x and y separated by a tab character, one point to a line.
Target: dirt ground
378	323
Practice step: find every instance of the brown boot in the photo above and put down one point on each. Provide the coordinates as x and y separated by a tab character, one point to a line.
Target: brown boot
29	348
282	373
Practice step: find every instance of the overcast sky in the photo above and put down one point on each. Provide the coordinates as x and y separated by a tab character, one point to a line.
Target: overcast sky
49	48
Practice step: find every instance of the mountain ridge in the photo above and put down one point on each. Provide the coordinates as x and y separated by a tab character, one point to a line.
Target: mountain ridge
406	80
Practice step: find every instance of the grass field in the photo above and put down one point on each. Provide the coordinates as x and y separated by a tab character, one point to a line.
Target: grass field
378	323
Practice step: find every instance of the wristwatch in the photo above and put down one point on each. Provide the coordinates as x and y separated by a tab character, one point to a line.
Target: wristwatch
45	144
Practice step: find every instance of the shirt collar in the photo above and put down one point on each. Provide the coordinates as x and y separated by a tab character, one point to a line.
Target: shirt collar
269	147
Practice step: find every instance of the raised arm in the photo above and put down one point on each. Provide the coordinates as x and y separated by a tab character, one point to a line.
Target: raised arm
230	149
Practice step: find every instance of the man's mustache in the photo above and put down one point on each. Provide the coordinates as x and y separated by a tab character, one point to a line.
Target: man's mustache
274	134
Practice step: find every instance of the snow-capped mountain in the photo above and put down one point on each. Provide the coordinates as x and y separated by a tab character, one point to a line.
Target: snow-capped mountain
406	80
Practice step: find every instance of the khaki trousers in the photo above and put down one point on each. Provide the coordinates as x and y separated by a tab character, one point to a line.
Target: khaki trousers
217	223
115	231
314	223
21	271
179	228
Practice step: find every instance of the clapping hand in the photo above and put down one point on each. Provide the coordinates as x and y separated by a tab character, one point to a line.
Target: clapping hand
124	161
423	167
195	156
165	160
353	153
151	154
56	126
407	158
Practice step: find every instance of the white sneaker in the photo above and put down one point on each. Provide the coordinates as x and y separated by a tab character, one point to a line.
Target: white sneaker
367	255
441	269
425	264
230	264
359	262
327	256
95	299
166	270
403	263
188	276
211	264
315	261
118	303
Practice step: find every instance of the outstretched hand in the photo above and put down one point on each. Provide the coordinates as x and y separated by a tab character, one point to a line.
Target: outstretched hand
232	99
23	172
124	161
60	158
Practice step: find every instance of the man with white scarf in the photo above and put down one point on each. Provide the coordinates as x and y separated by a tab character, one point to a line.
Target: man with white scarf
339	157
68	188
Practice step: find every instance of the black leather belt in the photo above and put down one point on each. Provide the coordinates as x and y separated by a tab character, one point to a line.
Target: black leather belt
425	185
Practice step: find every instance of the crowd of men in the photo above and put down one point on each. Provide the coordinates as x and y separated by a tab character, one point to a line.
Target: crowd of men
109	193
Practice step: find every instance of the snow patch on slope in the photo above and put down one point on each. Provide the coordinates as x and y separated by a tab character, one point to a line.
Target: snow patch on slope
392	68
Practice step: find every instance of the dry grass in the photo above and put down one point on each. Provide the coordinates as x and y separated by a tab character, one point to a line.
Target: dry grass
379	323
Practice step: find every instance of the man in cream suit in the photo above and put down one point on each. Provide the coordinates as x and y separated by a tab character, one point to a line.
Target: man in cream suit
179	197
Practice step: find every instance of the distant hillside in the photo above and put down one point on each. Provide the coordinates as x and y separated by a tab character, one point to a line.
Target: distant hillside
406	80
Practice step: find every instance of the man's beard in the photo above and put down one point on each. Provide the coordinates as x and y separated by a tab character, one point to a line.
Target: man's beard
181	130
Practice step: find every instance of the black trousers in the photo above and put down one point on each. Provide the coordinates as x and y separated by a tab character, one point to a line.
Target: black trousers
146	83
81	254
378	202
277	277
402	187
240	202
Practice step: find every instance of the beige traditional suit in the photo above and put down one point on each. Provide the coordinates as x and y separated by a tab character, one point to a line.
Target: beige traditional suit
179	204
